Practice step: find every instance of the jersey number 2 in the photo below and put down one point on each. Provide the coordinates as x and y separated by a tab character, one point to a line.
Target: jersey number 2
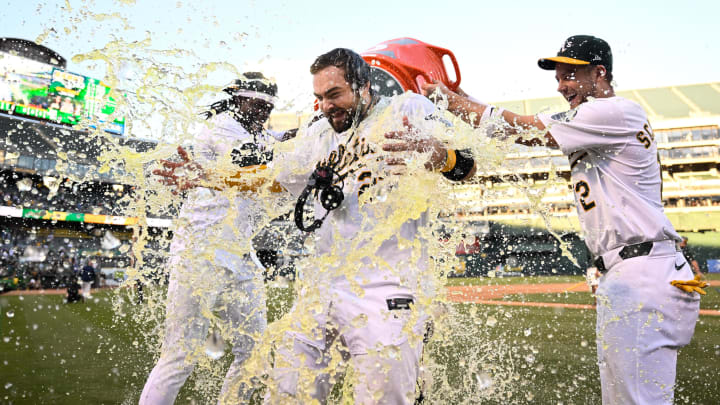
583	189
366	180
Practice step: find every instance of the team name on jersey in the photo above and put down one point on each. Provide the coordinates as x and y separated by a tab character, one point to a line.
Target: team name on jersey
646	136
343	160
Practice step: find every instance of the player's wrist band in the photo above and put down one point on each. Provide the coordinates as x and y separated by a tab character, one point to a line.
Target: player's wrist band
450	161
464	163
491	113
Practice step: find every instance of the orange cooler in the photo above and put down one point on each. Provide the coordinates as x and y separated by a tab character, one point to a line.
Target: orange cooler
404	64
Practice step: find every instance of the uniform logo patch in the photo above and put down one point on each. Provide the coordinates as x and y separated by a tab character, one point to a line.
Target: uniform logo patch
442	120
565	116
399	303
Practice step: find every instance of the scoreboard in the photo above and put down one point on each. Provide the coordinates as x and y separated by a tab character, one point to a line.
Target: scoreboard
37	90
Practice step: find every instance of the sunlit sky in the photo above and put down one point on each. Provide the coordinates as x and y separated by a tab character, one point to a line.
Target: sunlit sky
497	44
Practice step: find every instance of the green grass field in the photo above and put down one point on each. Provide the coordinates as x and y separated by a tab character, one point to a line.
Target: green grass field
68	354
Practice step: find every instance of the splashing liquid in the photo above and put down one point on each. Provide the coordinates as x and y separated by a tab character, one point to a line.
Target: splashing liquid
158	92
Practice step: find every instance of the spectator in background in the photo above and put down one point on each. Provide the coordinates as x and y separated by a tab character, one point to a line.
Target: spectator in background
689	256
87	275
475	247
460	250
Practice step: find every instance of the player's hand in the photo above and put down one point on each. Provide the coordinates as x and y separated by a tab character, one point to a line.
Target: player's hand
689	286
182	175
437	90
411	140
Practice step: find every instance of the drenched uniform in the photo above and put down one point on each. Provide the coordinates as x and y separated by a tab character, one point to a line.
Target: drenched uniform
213	269
642	320
363	288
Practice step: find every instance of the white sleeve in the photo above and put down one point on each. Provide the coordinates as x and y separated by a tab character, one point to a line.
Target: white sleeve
598	123
417	106
421	113
294	160
205	149
216	139
277	135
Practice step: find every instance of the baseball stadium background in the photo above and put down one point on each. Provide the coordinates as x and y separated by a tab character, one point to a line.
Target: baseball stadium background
60	207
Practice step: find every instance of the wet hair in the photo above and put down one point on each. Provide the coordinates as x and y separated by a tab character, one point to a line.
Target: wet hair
357	71
251	81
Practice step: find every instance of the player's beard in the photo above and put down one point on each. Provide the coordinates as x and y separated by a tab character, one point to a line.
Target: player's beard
344	122
347	116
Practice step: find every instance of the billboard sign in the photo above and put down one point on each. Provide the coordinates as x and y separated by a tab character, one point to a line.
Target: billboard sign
41	91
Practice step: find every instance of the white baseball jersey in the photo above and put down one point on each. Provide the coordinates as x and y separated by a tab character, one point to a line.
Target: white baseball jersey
615	171
348	152
226	140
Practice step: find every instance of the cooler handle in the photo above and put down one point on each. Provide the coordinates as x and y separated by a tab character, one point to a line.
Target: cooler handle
442	52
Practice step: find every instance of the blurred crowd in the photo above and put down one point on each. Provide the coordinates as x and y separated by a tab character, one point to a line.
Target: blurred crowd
36	192
58	270
32	192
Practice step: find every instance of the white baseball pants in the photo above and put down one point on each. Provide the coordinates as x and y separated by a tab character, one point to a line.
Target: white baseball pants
86	289
383	347
642	321
198	289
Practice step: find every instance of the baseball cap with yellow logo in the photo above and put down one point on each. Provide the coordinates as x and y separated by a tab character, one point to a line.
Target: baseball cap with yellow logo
581	50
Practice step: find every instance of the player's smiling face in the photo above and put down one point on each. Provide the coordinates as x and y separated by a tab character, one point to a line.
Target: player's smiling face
575	82
337	100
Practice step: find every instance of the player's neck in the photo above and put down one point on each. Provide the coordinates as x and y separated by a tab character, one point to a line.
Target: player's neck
604	90
368	105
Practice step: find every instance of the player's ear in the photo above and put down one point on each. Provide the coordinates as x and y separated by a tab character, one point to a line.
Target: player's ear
602	71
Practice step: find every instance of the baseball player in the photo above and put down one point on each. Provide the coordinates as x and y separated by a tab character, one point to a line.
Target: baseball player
211	269
648	301
361	299
683	245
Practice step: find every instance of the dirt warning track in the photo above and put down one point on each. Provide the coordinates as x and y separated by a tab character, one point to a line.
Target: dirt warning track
493	294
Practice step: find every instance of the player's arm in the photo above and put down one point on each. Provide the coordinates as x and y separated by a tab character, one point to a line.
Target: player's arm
187	174
246	179
456	165
476	113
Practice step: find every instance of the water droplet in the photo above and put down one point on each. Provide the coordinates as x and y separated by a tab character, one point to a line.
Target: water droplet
530	359
484	381
528	332
491	321
214	346
8	385
10	314
584	343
